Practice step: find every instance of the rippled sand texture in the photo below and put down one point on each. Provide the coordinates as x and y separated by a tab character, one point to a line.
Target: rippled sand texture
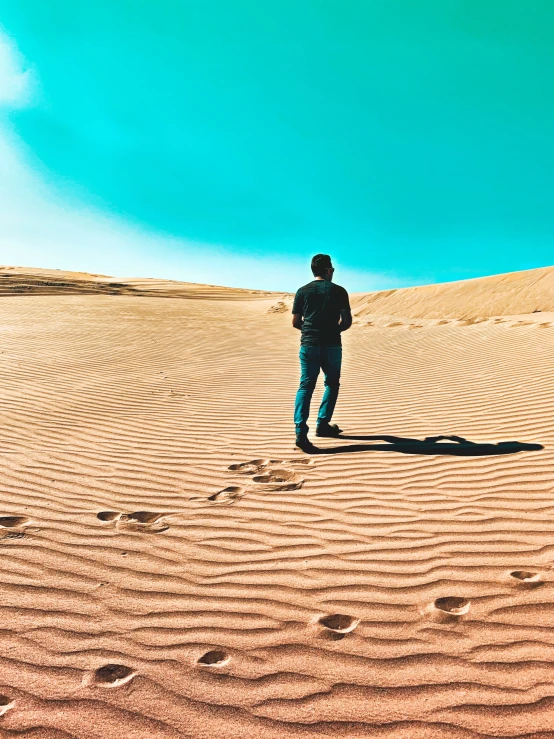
172	567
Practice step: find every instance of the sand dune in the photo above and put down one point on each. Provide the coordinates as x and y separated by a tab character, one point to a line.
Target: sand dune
35	281
514	293
173	567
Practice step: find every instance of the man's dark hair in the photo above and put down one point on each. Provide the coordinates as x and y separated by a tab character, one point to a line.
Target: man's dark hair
320	264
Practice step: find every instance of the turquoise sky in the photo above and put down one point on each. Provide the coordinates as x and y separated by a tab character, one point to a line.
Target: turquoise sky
411	139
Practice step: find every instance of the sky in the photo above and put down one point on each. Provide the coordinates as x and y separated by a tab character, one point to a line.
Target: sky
227	143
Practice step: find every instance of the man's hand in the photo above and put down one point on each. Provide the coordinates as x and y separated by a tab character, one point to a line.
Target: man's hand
345	319
297	321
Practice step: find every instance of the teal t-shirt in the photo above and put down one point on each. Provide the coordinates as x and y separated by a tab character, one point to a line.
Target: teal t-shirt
320	303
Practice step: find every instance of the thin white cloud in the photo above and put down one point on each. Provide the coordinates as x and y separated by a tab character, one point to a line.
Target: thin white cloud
41	227
17	80
38	228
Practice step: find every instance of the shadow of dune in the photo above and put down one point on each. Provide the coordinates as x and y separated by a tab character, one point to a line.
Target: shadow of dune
431	445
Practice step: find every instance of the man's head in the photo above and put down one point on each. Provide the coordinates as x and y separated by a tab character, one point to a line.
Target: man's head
322	267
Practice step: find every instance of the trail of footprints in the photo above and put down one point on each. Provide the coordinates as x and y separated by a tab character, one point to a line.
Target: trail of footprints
268	474
281	475
465	322
335	626
276	473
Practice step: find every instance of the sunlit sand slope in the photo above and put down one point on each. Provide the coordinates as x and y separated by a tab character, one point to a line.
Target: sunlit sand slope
28	280
509	294
172	567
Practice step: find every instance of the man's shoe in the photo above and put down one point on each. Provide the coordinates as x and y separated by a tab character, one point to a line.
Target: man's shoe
302	442
327	429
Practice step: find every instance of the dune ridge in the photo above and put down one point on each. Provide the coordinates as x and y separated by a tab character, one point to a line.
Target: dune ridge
513	293
36	281
173	567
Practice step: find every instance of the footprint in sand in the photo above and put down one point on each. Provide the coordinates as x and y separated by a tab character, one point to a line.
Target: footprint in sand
214	658
108	516
227	495
14	527
13	522
339	623
280	307
279	479
138	521
524	577
5	704
452	606
112	676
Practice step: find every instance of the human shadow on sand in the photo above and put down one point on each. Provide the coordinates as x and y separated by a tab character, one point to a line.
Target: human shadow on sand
431	445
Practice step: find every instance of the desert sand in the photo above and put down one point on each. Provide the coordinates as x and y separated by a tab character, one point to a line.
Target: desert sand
172	566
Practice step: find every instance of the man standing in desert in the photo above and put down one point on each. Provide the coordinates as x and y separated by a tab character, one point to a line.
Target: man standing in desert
321	311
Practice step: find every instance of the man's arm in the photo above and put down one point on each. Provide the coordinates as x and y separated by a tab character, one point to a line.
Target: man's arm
345	319
345	314
298	310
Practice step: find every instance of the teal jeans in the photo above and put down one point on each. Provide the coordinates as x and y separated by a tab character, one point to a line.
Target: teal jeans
312	359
